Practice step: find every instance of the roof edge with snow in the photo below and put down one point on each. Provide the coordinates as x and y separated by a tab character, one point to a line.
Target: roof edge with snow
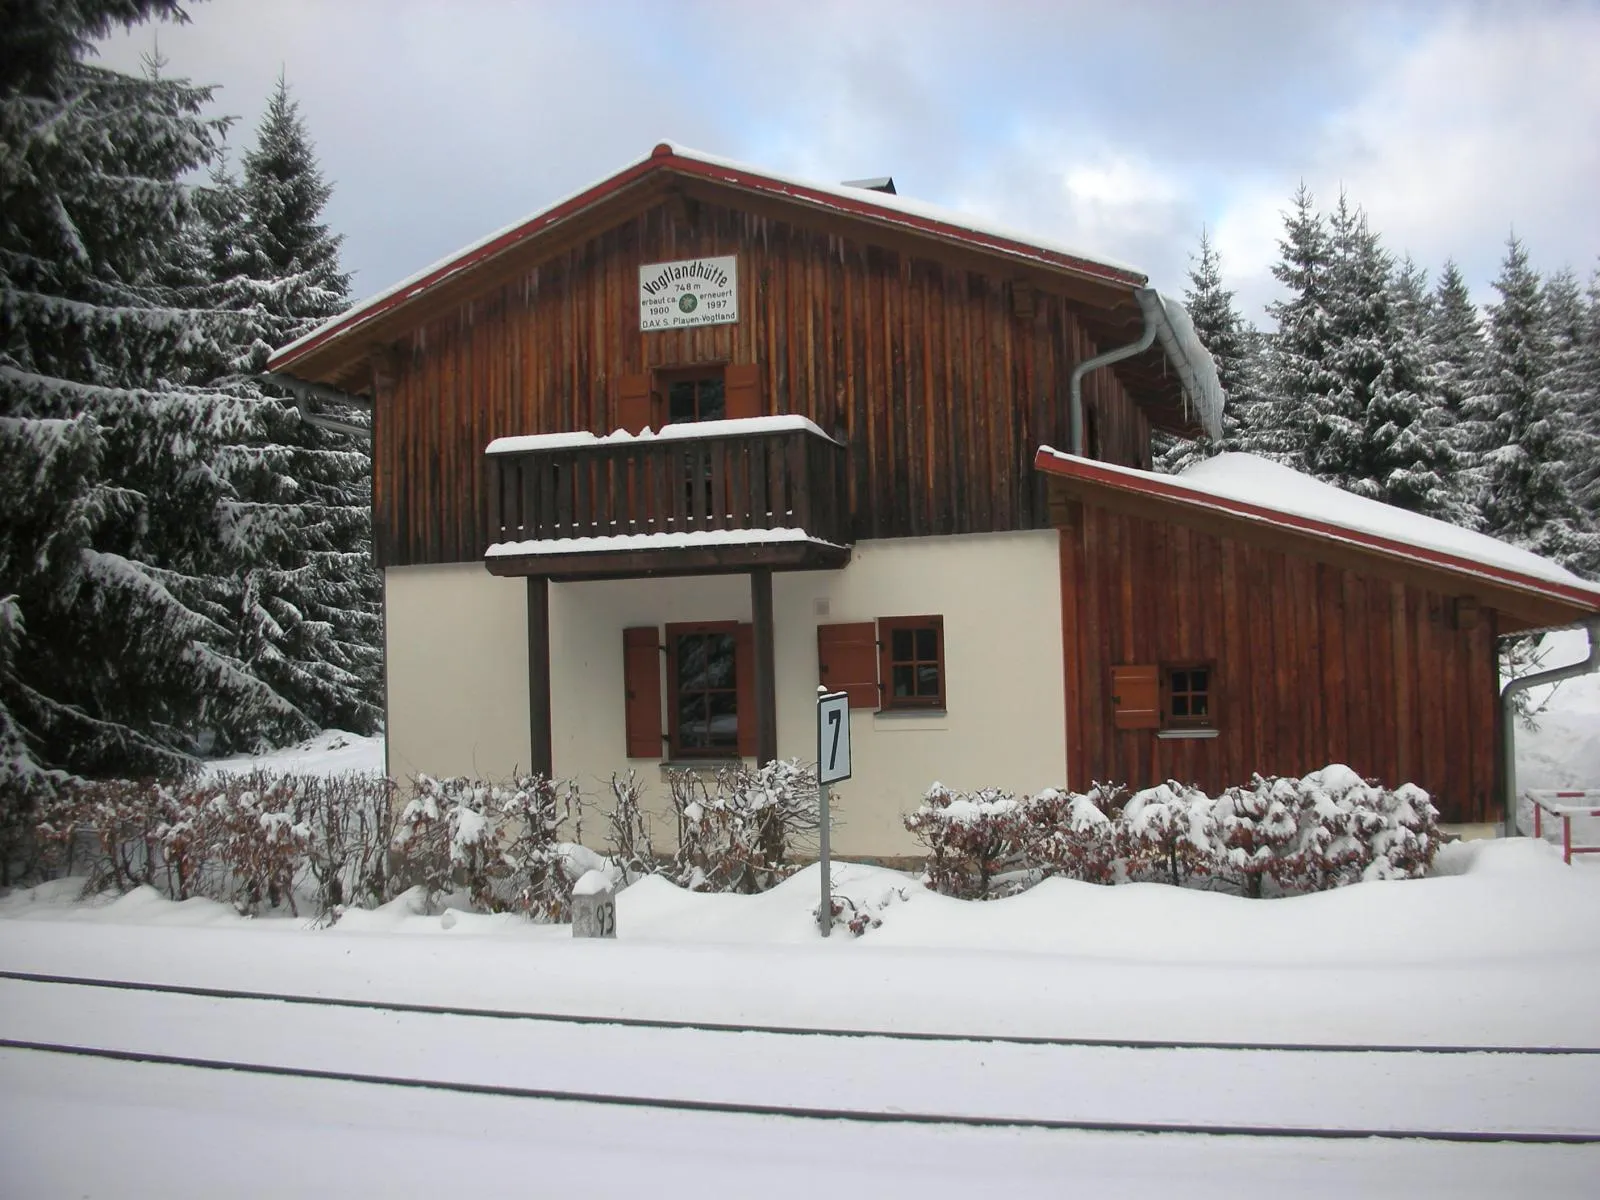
1383	532
889	209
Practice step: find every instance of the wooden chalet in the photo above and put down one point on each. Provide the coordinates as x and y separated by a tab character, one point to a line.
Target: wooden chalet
652	465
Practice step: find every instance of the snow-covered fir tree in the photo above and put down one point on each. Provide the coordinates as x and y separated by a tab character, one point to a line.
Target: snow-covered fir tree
1454	344
118	656
1586	412
1297	377
1348	364
307	607
1572	385
1524	432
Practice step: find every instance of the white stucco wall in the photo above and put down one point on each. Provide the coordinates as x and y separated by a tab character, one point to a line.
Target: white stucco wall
457	640
458	658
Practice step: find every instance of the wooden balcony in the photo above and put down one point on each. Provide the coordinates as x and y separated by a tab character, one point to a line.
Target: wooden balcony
726	496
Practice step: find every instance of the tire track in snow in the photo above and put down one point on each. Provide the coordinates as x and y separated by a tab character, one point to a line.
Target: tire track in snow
500	1014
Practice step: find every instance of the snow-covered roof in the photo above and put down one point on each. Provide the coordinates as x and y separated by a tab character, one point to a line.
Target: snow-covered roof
682	431
927	218
688	539
1243	485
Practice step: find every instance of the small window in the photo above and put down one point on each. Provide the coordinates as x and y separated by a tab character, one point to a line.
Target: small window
703	692
695	398
911	651
1188	697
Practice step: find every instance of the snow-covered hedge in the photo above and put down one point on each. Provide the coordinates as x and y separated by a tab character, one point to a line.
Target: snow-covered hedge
1328	829
497	843
246	840
739	832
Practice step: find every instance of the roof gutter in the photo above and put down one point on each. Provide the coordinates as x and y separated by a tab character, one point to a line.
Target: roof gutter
1508	721
304	392
1149	303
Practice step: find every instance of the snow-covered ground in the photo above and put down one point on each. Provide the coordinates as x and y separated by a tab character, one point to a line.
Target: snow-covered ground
331	752
1499	948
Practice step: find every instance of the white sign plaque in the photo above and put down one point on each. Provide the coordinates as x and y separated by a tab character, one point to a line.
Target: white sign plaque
833	737
692	291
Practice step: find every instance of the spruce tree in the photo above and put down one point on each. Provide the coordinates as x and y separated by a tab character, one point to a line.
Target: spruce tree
1571	383
1526	435
1454	344
1297	378
308	602
1586	403
117	654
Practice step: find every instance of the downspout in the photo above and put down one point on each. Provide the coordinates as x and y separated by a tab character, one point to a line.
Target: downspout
1508	717
1148	300
304	393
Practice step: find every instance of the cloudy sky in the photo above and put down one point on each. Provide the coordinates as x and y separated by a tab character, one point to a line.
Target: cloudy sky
1119	128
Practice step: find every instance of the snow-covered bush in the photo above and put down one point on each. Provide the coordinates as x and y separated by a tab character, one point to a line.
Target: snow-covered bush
1076	835
628	829
1328	829
739	833
1165	833
980	844
498	844
255	842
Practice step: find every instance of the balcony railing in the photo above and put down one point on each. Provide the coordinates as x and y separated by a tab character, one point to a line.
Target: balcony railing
770	473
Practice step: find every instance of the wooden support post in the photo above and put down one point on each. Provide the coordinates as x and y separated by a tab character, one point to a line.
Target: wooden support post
539	747
766	683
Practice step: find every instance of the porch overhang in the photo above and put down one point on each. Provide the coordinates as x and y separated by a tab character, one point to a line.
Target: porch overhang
658	556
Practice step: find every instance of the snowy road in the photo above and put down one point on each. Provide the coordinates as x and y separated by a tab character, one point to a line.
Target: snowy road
102	1129
1191	1088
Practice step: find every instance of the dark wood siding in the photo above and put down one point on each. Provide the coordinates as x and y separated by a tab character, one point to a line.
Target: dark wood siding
941	382
1312	664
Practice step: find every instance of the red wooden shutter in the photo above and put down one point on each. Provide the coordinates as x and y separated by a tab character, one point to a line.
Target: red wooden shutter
641	673
847	661
741	384
744	677
1136	697
633	402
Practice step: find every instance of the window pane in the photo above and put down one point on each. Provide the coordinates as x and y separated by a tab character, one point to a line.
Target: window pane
1180	681
904	683
1199	706
928	644
900	645
928	680
713	403
681	400
719	660
691	662
1197	680
724	723
1180	706
694	727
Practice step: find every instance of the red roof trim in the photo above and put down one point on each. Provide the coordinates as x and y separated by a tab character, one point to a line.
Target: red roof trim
1052	463
664	158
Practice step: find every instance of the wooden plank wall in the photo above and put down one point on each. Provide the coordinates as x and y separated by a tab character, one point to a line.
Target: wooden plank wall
1405	696
941	389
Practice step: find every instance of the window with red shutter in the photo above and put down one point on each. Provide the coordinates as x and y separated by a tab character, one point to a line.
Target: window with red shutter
635	403
1136	697
742	382
710	690
641	670
911	662
847	661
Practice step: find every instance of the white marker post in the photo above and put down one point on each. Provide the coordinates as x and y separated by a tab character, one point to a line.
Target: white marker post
833	764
